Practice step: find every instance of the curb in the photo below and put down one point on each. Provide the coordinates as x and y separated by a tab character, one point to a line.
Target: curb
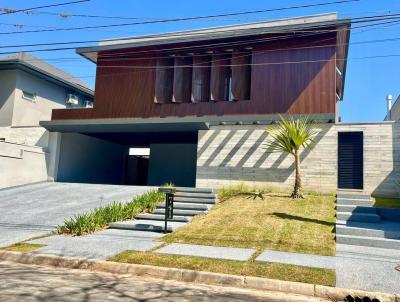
304	289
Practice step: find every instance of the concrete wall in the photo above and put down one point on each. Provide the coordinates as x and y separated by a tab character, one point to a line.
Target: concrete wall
90	160
174	163
8	80
21	164
229	154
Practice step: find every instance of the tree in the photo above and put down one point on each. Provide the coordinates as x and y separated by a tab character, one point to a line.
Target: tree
288	136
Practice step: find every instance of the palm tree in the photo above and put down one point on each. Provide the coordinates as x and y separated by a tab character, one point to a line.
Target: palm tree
288	136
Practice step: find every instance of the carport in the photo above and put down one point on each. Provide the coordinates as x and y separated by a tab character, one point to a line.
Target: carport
100	151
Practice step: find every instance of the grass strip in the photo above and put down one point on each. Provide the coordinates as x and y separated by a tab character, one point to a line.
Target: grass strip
22	247
243	268
100	217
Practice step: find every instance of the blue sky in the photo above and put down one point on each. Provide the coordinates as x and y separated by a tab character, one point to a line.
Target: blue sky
367	82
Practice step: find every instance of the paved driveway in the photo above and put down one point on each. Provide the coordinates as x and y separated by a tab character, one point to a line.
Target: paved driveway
34	210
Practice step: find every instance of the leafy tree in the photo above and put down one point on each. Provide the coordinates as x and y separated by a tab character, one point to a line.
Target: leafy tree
288	136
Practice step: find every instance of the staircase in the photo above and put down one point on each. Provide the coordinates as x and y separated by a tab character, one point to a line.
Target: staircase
188	202
358	224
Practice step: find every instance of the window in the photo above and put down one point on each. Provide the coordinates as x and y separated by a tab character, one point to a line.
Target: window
29	96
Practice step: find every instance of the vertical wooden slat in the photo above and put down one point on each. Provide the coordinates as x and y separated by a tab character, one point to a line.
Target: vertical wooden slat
182	79
241	76
164	80
220	77
201	78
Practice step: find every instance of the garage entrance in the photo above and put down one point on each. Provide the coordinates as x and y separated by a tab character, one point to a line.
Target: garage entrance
150	159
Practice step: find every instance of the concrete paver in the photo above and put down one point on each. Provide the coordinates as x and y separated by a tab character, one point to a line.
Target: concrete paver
216	252
101	245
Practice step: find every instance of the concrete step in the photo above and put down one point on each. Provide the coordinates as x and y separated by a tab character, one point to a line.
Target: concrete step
368	241
210	201
377	230
362	217
162	217
187	206
354	202
146	225
196	195
195	190
355	209
353	196
179	212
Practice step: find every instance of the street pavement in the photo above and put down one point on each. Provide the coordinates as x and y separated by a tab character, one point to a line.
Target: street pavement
19	282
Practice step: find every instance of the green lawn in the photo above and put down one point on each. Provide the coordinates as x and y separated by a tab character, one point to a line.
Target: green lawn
384	202
22	247
277	222
244	268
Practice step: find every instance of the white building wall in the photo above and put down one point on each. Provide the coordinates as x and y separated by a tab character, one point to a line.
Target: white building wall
8	80
234	154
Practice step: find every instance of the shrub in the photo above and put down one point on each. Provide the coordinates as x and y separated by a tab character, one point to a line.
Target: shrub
99	218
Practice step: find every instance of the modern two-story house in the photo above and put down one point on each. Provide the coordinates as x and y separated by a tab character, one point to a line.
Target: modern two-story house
200	101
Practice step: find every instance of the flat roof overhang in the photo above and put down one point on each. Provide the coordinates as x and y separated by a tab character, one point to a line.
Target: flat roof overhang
159	125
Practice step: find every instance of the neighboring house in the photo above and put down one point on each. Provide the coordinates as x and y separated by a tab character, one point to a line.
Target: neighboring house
201	100
393	109
29	90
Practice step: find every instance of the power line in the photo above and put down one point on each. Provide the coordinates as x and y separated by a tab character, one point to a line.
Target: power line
8	11
67	15
178	19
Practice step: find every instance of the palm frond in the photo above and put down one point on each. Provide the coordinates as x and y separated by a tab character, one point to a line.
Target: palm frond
291	134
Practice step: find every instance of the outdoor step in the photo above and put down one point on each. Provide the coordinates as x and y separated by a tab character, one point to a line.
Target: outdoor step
162	217
195	200
146	225
179	212
369	230
195	190
368	241
196	195
355	209
362	217
353	196
354	202
187	206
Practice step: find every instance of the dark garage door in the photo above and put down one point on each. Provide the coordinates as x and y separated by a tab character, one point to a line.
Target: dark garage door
350	160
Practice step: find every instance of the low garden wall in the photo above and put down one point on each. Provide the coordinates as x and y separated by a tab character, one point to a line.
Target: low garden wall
230	154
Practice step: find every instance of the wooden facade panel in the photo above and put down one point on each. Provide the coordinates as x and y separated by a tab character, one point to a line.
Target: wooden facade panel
286	77
220	77
201	78
241	75
183	79
164	80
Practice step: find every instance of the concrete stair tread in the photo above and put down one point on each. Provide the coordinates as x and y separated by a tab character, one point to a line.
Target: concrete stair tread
353	196
372	238
162	217
187	206
369	230
362	217
355	209
194	200
146	225
180	212
196	195
194	190
383	225
368	241
359	214
367	252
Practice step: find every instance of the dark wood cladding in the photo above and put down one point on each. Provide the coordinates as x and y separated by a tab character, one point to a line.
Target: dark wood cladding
220	76
183	79
164	80
241	75
201	78
287	76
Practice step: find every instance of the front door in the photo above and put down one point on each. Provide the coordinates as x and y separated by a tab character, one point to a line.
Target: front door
350	160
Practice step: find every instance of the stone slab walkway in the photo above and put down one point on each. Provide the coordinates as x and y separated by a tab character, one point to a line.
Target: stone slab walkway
298	259
215	252
100	245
